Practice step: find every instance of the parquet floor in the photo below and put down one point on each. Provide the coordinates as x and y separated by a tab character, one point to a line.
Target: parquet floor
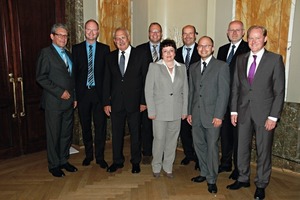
27	178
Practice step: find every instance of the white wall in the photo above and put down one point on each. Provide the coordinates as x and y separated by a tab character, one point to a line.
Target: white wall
90	10
171	14
293	91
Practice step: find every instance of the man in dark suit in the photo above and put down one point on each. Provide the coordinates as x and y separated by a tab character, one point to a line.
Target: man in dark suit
54	74
228	53
188	54
89	63
208	99
123	97
258	91
152	55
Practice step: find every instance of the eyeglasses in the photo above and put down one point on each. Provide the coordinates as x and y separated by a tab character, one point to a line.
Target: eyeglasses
91	30
235	30
154	31
204	46
61	36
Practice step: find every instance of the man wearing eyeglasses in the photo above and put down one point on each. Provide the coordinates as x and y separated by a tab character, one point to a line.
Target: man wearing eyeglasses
208	97
229	53
55	75
89	63
151	49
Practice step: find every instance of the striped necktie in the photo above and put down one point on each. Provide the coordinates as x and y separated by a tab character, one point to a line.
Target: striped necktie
90	78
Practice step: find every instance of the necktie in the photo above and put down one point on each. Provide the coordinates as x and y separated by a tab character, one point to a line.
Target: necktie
187	58
229	58
252	70
204	67
90	78
122	63
154	53
63	53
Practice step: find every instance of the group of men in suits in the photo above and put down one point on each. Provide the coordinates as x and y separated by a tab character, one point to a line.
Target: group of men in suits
101	83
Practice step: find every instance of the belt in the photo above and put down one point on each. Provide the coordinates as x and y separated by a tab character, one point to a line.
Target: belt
90	87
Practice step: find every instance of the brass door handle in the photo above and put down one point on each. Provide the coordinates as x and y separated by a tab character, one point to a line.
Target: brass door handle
22	113
12	80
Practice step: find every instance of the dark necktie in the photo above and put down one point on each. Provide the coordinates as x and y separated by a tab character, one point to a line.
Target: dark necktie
252	70
64	56
90	77
187	58
154	53
122	63
230	54
204	67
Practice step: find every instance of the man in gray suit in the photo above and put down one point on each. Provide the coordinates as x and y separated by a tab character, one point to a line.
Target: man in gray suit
257	100
54	74
208	98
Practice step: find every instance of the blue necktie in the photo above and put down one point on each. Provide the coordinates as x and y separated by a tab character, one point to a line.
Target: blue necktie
90	78
187	58
230	54
64	56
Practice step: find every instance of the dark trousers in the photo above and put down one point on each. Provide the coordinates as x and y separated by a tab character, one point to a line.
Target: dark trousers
89	108
229	142
146	134
118	120
187	140
59	129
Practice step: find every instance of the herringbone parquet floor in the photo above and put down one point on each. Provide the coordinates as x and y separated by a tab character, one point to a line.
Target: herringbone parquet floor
27	178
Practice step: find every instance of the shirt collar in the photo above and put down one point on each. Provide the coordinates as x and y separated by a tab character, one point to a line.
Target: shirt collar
161	61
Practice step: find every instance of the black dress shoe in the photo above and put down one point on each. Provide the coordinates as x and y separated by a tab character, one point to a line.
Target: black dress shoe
185	161
69	167
57	172
212	188
237	185
102	163
234	174
198	179
86	162
114	167
136	168
197	167
224	169
259	193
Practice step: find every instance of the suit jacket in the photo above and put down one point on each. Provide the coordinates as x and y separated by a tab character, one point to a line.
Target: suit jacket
223	52
166	100
125	92
80	66
52	74
208	93
194	58
265	97
146	47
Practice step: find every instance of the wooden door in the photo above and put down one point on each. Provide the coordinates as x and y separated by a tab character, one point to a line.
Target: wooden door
25	29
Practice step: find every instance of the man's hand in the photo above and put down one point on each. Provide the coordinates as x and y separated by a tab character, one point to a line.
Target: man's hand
270	124
234	119
66	95
217	122
189	119
107	110
142	108
75	104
